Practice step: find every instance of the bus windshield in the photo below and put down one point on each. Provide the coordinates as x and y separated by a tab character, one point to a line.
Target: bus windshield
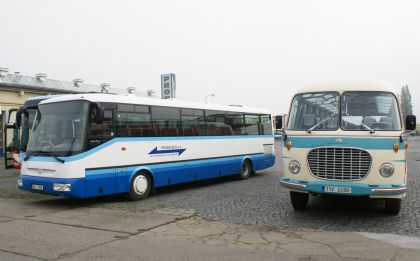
314	111
369	110
59	129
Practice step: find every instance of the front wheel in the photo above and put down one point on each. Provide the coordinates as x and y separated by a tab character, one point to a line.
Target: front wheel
299	200
245	170
140	187
393	206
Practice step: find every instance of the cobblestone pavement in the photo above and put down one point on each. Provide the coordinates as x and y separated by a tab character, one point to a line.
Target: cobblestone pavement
260	200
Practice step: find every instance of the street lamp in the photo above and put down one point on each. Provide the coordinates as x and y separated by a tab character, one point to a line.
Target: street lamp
210	95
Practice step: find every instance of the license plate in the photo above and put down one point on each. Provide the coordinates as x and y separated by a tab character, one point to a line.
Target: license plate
332	189
37	187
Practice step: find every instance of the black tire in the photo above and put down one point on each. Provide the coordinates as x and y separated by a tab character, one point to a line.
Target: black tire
140	186
246	170
392	206
299	200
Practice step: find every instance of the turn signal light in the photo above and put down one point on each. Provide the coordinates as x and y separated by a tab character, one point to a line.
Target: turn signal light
289	145
396	147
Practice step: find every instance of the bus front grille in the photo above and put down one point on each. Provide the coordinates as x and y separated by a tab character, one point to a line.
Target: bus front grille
334	163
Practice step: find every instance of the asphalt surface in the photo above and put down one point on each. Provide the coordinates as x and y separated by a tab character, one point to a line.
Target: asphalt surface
259	200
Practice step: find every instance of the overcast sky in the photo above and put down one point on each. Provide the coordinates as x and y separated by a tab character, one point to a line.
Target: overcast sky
255	53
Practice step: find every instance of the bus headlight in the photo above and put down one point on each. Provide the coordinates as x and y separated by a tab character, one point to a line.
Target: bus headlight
386	170
20	182
294	167
61	187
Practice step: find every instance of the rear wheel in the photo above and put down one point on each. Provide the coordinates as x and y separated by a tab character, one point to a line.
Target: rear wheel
140	187
299	200
245	169
393	206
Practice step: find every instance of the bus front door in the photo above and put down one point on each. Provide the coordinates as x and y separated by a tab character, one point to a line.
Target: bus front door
10	141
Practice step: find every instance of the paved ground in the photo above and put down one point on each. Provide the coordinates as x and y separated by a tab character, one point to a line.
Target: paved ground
214	220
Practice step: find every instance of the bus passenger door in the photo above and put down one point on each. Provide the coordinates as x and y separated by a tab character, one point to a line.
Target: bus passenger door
11	136
101	181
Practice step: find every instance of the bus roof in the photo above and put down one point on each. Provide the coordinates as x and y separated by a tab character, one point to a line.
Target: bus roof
352	85
34	101
112	98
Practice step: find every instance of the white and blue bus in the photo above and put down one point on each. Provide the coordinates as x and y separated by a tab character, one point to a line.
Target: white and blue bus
89	145
346	138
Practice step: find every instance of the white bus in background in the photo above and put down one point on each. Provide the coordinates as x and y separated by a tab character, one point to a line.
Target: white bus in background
89	145
346	138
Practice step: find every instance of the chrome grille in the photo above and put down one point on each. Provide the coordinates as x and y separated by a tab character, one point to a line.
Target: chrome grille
339	163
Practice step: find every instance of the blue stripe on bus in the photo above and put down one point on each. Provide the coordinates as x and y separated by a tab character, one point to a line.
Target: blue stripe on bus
135	139
109	181
368	143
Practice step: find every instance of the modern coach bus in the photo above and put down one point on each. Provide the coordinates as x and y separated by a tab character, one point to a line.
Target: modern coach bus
100	144
346	138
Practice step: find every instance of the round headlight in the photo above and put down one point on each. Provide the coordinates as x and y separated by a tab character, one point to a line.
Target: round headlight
386	170
294	167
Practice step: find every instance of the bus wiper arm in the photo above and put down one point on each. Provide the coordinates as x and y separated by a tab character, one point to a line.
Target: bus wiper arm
372	131
42	153
58	159
321	122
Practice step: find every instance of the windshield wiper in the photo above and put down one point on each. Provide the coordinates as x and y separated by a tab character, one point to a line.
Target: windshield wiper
320	123
372	131
43	153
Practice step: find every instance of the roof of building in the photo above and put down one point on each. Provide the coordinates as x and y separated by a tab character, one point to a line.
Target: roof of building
41	83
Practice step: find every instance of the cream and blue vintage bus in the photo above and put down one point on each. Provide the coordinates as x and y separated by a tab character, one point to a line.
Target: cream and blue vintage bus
346	138
89	145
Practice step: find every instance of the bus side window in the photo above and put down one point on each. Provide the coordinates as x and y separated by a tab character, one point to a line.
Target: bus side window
266	125
100	133
166	121
252	123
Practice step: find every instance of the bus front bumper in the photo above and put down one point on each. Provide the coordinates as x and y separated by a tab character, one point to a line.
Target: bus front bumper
350	189
53	186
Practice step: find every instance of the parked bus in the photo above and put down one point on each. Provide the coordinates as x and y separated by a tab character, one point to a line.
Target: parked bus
346	138
17	130
89	145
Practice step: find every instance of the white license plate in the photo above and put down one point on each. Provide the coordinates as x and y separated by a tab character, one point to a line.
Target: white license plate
332	189
37	187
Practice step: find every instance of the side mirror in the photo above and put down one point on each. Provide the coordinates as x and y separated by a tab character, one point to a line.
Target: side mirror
279	122
97	113
410	122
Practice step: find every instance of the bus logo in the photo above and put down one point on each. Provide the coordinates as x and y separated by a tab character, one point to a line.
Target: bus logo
165	150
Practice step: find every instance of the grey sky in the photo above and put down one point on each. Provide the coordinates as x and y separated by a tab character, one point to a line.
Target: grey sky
255	53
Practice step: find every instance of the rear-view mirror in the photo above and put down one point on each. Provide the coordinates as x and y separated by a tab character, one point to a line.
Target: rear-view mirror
97	113
279	122
410	122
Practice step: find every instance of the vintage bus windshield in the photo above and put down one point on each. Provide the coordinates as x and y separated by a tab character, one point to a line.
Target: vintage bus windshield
314	111
374	110
360	111
59	129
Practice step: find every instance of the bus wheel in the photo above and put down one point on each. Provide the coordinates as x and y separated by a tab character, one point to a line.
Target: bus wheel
245	169
140	187
393	206
299	200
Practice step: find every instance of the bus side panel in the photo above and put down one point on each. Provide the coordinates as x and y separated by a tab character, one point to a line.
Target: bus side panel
196	170
100	182
224	166
168	174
